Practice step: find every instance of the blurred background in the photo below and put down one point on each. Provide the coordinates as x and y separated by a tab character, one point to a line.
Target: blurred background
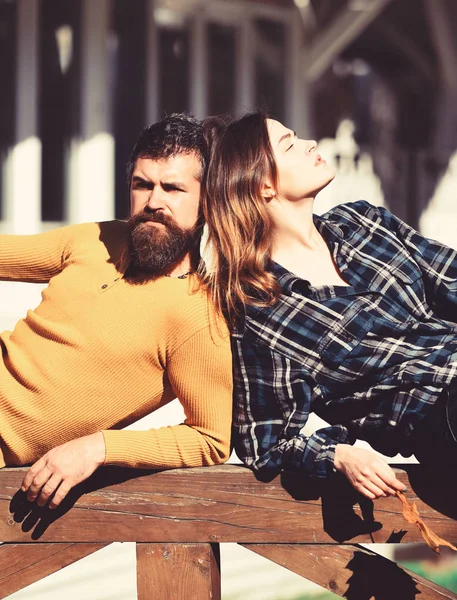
374	81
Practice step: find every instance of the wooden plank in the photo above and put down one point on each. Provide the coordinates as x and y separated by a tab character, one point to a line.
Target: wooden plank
178	571
404	44
344	28
351	571
24	564
225	504
440	21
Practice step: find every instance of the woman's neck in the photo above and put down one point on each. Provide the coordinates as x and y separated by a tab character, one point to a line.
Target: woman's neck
294	227
299	247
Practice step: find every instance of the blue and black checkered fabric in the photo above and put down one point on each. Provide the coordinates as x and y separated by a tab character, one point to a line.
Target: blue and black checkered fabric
370	357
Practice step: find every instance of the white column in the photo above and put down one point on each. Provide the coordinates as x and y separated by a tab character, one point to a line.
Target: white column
198	67
23	165
92	163
245	67
298	101
152	67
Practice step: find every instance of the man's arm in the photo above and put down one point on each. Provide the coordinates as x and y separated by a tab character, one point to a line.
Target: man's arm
200	372
272	405
33	258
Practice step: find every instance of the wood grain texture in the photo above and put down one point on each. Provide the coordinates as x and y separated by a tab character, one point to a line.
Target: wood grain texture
24	564
178	572
225	504
351	571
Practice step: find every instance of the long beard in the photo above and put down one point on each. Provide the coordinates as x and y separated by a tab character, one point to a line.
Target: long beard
156	249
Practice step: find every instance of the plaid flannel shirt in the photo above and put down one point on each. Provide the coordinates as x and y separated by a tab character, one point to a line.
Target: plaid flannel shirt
369	358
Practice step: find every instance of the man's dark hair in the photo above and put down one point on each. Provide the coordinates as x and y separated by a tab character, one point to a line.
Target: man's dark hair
175	134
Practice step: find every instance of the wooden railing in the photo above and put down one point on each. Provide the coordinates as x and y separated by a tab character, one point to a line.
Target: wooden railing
178	518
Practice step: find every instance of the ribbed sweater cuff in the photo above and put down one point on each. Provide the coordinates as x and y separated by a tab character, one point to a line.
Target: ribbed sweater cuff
117	450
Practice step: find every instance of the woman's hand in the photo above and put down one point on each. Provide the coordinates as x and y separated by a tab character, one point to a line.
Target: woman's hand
63	467
368	473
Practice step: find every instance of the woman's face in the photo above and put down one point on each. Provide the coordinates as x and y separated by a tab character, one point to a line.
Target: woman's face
302	172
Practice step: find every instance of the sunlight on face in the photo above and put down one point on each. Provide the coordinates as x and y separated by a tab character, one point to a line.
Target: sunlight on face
170	186
302	172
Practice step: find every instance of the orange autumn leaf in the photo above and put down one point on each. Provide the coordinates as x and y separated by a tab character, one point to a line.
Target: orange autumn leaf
411	514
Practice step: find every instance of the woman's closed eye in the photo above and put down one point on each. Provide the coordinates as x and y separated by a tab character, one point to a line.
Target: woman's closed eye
294	137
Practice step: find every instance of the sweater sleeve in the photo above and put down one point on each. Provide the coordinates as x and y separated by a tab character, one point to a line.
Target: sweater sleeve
33	258
200	372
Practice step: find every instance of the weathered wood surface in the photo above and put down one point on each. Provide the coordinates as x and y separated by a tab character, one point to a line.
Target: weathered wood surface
225	504
190	571
178	517
352	572
24	564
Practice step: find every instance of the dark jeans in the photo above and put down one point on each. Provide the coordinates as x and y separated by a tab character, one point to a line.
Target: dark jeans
435	439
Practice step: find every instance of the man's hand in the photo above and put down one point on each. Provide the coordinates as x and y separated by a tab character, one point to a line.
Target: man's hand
367	472
63	467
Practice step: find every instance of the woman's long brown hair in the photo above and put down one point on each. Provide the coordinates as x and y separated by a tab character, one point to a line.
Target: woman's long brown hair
239	223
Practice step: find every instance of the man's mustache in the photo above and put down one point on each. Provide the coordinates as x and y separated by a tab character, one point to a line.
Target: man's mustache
154	217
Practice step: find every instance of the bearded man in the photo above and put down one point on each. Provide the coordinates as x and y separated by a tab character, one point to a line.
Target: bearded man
124	326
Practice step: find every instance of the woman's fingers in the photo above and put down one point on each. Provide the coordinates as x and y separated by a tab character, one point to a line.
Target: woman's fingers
367	472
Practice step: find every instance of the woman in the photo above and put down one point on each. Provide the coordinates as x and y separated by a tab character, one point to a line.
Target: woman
351	315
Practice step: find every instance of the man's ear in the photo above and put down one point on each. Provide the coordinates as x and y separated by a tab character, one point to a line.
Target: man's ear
268	191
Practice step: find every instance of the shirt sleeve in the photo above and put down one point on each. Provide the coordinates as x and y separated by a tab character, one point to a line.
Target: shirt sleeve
200	373
33	258
437	262
272	405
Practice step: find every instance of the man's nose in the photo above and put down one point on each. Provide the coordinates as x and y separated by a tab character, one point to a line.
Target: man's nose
155	200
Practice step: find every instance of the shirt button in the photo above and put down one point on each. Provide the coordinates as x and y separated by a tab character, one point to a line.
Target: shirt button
349	338
104	286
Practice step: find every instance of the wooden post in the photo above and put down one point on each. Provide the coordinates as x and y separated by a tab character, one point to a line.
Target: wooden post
178	571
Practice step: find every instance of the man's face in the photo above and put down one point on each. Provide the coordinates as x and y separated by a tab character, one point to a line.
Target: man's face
164	207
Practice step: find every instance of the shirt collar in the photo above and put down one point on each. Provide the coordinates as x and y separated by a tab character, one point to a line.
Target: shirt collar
328	229
331	232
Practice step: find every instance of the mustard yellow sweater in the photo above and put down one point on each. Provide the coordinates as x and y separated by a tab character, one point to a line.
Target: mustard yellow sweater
99	353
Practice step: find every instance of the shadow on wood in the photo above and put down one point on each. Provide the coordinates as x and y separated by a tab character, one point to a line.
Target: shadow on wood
338	499
290	519
351	571
37	519
378	578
